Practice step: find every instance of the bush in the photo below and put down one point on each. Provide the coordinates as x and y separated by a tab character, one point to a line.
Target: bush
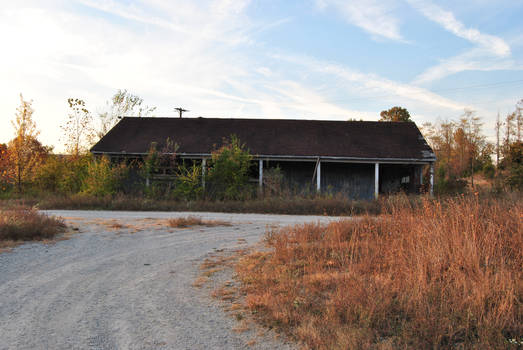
188	183
103	178
229	171
63	175
446	274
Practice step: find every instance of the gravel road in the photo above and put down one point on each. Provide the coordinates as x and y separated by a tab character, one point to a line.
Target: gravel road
124	281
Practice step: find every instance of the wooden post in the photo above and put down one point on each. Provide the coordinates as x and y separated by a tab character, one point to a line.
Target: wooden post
431	179
260	174
318	176
204	168
376	180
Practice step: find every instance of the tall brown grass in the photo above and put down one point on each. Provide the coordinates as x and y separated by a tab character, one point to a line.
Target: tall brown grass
444	275
27	224
190	220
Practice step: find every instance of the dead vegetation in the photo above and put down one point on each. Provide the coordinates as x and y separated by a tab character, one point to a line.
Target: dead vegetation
19	224
446	274
187	221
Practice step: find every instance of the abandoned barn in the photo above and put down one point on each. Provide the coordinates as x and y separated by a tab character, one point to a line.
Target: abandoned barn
360	159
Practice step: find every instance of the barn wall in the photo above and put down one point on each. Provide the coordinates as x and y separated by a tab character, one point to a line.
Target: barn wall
353	180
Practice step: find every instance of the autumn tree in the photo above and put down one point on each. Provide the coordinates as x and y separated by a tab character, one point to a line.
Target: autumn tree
461	149
395	114
78	133
123	103
25	151
5	180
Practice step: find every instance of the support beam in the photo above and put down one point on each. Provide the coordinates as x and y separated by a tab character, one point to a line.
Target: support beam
260	175
376	180
204	170
431	190
421	175
318	176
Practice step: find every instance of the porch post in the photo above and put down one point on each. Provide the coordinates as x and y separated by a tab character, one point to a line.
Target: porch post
260	175
376	180
318	176
431	180
204	168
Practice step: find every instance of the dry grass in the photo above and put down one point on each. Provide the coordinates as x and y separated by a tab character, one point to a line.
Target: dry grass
293	205
195	221
25	224
443	275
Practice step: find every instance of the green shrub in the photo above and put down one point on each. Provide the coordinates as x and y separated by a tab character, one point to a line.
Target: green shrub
228	173
103	178
62	175
188	183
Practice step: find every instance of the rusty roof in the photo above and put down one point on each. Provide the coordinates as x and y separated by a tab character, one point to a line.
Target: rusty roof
271	137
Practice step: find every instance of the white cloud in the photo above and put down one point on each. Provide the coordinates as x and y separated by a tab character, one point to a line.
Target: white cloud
373	16
448	21
491	52
475	59
375	86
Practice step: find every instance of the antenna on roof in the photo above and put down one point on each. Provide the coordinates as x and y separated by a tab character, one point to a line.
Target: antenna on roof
181	110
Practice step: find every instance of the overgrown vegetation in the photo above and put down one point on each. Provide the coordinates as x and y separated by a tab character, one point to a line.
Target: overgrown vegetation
445	274
26	224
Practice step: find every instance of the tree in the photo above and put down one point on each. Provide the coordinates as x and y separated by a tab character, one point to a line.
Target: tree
78	130
513	162
395	114
475	140
498	126
123	103
25	151
5	180
519	121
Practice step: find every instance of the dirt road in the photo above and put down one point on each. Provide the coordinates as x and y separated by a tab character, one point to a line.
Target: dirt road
124	281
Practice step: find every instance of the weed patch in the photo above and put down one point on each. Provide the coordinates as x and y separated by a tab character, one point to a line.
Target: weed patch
26	224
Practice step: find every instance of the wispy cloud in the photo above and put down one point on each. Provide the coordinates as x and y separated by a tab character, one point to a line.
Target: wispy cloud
374	86
477	59
373	16
448	21
491	52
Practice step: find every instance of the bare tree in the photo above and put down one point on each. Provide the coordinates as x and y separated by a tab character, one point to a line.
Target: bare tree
123	103
498	126
519	116
78	132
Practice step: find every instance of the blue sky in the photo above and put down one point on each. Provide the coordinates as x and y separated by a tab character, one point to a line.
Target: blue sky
308	59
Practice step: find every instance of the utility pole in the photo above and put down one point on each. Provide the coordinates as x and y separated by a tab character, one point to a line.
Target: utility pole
181	110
